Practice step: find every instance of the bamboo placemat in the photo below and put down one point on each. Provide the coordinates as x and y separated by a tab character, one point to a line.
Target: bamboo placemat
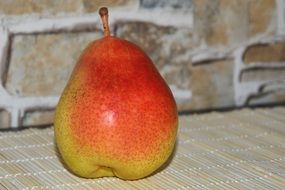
241	149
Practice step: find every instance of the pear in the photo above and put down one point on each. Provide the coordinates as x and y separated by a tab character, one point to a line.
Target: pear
116	115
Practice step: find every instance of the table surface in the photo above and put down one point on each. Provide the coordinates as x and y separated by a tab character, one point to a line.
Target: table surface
241	149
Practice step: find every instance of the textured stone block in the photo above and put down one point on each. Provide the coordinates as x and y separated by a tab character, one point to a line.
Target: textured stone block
4	119
41	117
262	74
165	45
265	53
47	7
40	65
212	85
221	23
216	21
178	75
174	4
261	13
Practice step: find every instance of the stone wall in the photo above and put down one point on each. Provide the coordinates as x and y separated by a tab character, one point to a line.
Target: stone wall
212	53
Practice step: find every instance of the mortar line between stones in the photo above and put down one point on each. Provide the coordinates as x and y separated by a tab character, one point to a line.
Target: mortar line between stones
66	24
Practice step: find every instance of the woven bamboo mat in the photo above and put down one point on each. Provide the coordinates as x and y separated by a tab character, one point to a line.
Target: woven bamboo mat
242	149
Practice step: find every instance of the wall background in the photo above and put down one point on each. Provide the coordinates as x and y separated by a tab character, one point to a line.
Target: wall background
213	53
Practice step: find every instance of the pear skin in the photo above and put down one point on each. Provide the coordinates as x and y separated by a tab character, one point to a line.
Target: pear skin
116	116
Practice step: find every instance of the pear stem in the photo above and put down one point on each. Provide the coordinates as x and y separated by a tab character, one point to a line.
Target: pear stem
103	12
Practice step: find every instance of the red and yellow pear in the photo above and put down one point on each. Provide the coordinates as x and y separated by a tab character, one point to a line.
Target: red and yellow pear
116	116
